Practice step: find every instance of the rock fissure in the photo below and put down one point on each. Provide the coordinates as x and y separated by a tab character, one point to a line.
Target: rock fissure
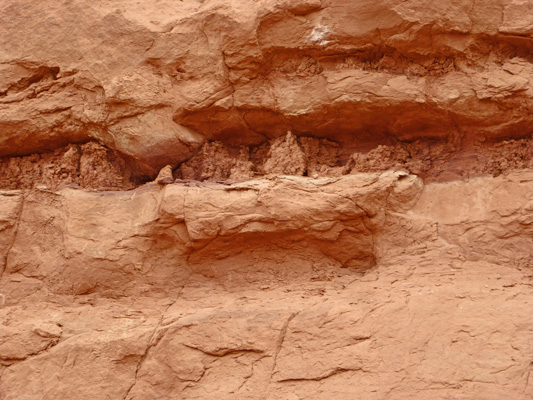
97	167
280	340
155	338
224	352
14	235
320	378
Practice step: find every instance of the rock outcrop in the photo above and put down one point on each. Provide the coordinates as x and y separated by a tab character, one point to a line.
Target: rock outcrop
311	199
121	243
363	286
154	80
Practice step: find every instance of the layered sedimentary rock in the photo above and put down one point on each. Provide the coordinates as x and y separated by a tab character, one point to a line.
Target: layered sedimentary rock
364	286
210	199
78	242
154	80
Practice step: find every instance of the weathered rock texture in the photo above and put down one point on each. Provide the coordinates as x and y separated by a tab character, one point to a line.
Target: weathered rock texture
363	286
266	199
154	80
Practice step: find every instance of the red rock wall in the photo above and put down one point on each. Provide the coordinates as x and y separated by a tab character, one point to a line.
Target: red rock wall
343	210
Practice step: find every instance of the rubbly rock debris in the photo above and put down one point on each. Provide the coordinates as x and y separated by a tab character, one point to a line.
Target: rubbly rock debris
88	165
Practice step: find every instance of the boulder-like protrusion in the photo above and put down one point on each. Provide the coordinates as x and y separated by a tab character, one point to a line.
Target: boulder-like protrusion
286	157
165	176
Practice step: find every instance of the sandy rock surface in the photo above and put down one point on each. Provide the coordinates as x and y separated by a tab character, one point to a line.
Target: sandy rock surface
268	199
246	290
153	80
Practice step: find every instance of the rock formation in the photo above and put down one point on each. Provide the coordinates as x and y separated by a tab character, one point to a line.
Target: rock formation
311	199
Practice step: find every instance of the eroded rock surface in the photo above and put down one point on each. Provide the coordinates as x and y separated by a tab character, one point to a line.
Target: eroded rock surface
123	243
213	199
154	80
363	286
88	165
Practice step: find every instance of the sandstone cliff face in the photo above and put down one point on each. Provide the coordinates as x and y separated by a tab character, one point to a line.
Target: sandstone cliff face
153	81
345	208
364	286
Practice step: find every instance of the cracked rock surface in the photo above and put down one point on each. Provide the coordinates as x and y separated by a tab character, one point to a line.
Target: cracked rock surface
154	80
266	199
366	286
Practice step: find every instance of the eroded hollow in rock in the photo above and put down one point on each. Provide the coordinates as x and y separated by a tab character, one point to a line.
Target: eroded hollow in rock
89	165
94	166
306	156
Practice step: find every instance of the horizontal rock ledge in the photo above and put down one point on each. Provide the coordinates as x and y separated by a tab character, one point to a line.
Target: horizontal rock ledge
157	84
77	241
